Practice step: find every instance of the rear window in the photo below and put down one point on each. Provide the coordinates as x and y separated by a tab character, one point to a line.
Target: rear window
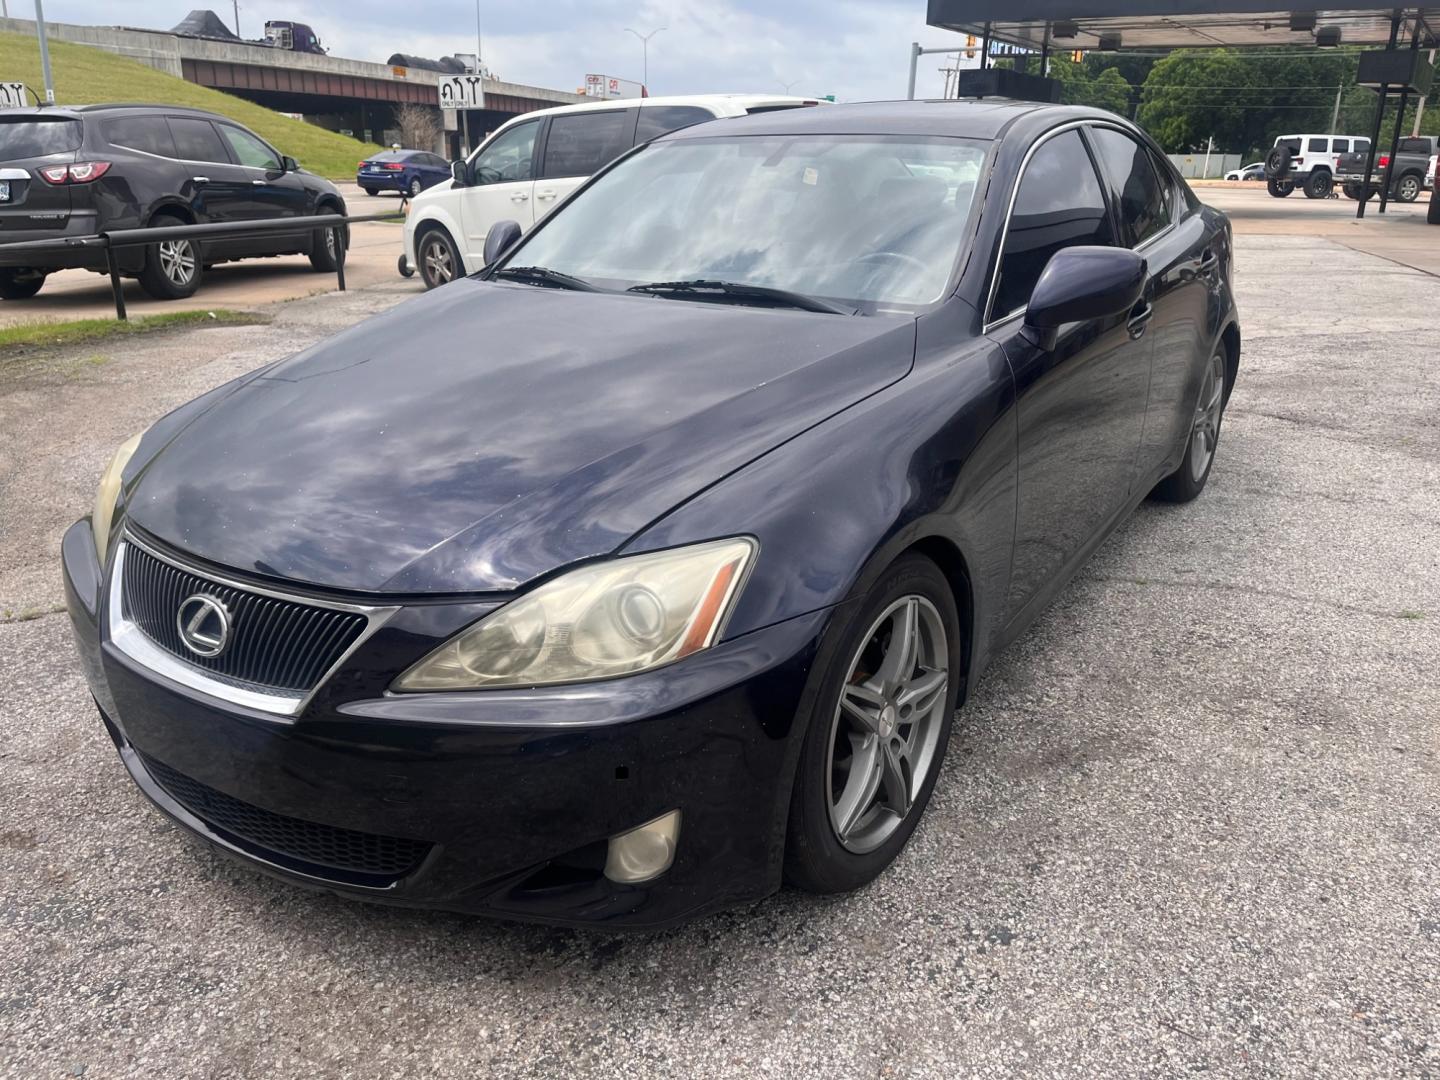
659	119
1414	146
1293	144
580	143
36	138
147	133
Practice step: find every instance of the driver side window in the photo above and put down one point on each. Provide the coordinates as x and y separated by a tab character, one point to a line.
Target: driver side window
508	158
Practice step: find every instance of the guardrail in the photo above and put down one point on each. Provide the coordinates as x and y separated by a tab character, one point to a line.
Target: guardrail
116	240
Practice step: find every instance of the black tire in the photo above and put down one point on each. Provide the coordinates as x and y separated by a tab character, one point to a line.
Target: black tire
815	857
1186	482
437	258
415	187
1408	187
173	269
1432	215
1352	190
370	191
1280	188
406	270
21	283
1319	184
322	246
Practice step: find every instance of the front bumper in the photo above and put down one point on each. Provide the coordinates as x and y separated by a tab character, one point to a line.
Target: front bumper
505	798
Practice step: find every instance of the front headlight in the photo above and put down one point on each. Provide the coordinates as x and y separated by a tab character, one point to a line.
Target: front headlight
102	518
613	618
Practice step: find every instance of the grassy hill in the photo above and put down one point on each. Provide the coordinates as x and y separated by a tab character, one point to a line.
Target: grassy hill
86	76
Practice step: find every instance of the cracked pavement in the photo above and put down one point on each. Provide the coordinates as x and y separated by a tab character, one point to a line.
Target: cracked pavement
1188	823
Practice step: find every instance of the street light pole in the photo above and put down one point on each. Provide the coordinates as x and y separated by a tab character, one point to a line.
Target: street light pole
44	53
237	17
645	52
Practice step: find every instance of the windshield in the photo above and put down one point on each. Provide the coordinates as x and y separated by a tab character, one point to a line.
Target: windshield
36	138
873	222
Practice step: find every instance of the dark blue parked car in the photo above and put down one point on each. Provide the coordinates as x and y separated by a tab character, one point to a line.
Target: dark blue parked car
406	171
646	569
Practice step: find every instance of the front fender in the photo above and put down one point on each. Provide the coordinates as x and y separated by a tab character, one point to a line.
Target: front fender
930	457
440	214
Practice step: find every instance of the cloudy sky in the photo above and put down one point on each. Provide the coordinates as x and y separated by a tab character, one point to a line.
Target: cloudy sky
855	49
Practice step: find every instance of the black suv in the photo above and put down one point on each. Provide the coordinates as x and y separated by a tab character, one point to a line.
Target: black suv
67	172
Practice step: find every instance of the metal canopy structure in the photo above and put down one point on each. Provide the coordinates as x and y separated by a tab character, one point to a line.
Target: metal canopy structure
1182	24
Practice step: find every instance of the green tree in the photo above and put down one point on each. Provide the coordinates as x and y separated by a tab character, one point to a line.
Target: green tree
1078	86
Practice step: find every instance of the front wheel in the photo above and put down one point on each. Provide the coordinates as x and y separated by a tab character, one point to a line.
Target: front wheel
173	269
1279	188
1188	481
20	284
878	732
1408	188
439	262
325	250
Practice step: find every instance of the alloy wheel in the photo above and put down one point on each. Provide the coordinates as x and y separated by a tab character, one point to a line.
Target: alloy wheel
1408	189
330	243
439	267
887	725
1205	435
415	188
177	261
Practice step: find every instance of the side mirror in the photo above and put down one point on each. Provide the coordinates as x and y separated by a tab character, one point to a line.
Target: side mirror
1084	283
499	239
289	164
460	173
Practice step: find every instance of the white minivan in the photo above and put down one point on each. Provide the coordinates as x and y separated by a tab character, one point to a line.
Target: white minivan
532	162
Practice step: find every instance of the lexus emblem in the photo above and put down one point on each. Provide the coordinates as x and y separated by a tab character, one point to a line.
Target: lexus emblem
204	625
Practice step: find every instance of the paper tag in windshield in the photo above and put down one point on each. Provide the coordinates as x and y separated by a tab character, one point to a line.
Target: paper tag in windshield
810	176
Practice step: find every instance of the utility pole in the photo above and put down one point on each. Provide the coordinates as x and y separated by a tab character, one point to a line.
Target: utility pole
1335	116
44	53
644	51
237	17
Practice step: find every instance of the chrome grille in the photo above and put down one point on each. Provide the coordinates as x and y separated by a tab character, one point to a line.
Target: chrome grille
277	644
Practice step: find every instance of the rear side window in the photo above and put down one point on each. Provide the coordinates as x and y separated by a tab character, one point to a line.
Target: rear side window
1134	184
249	150
1341	146
657	121
580	143
148	134
1362	146
1414	146
36	138
1059	204
1317	146
195	140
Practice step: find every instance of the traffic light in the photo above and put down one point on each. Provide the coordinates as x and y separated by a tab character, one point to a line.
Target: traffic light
1078	56
969	46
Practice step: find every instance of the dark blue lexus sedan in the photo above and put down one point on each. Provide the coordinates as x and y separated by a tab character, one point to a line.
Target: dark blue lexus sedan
646	569
406	171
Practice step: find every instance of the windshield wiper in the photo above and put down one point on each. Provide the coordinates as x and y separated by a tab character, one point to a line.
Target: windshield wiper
741	291
543	275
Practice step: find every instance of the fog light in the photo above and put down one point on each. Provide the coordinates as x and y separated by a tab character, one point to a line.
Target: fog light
644	853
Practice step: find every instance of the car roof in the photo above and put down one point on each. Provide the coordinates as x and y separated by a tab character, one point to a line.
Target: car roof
971	118
735	103
78	111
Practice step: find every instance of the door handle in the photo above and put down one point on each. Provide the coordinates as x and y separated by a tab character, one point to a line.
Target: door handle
1140	320
545	195
519	196
200	179
259	183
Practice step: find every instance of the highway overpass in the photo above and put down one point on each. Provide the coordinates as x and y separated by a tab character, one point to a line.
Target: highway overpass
356	96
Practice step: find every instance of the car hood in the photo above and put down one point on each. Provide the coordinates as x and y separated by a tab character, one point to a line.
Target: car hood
485	434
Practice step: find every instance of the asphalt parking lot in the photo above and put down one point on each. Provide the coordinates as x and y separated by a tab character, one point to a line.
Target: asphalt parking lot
1189	823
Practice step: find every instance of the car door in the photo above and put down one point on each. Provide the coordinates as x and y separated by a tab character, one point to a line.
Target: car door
217	189
1081	404
502	180
577	145
273	192
1182	253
